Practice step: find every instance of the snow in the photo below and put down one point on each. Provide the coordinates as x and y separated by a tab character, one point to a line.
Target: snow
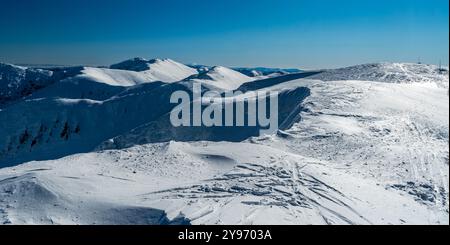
66	101
17	81
116	77
221	78
394	134
389	72
165	70
360	145
216	183
264	71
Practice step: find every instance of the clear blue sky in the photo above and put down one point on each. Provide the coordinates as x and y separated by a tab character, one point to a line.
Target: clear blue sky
281	33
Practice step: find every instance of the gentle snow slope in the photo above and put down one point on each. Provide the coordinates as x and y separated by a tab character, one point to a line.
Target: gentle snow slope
221	78
165	70
389	72
116	77
395	134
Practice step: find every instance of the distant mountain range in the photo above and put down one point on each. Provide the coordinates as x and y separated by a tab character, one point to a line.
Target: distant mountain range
252	72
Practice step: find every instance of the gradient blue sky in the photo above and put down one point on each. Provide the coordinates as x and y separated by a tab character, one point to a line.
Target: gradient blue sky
281	33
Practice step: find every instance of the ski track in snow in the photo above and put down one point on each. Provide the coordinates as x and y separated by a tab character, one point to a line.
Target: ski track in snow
390	144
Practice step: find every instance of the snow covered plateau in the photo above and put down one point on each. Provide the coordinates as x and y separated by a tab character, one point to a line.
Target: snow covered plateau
367	144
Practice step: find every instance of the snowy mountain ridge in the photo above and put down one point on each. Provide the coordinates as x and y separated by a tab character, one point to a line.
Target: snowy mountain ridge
17	81
360	145
221	78
165	70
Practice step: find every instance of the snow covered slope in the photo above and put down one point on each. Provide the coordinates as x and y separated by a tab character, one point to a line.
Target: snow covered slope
100	83
71	125
389	72
263	71
200	183
17	81
165	70
116	77
348	152
161	129
255	72
87	113
395	134
221	78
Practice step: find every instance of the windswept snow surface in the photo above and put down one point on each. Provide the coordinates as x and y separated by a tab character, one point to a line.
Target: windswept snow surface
116	77
389	72
165	70
368	151
221	78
